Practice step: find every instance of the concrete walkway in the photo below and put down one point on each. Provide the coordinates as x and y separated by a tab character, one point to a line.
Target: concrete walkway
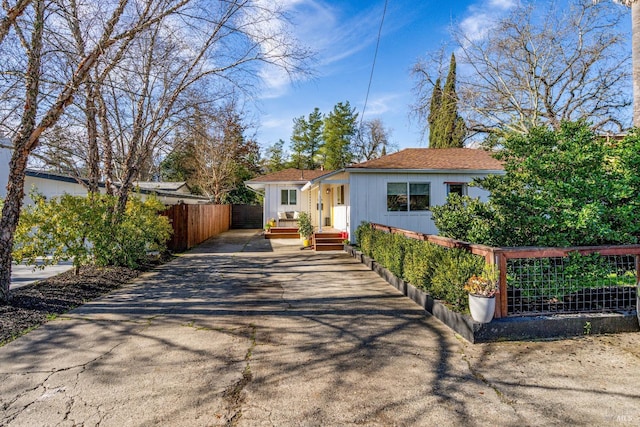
250	332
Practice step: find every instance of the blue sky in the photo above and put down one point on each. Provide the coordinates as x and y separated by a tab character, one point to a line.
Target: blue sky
343	35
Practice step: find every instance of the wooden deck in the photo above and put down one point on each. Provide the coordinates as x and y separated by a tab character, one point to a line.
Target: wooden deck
328	240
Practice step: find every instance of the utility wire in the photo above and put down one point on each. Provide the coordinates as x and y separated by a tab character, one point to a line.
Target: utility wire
373	65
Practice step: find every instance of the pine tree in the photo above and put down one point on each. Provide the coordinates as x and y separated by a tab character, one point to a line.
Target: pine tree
306	140
298	143
339	128
446	127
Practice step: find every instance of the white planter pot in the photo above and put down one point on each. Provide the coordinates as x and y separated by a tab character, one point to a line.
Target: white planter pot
482	308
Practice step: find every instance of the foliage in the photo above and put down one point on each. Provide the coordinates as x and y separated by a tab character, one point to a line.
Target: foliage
307	140
485	284
446	127
84	229
440	272
305	228
451	275
339	129
465	218
421	261
275	158
561	188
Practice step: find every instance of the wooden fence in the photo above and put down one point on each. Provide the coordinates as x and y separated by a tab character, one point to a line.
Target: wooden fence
193	224
500	256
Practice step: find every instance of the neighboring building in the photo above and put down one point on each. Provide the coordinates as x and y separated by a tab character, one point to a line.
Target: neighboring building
54	184
396	190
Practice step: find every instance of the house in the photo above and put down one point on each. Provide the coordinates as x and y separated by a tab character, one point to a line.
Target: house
52	184
397	189
283	194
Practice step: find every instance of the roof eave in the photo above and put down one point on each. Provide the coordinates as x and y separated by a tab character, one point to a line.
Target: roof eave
401	170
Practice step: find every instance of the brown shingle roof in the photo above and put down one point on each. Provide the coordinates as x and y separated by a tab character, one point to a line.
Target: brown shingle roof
290	175
433	159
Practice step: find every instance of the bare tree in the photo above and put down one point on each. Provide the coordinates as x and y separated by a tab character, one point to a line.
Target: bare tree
539	67
372	140
635	55
224	152
43	103
12	14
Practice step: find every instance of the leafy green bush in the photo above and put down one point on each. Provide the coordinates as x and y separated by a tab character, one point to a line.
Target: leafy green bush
85	230
569	187
421	261
451	274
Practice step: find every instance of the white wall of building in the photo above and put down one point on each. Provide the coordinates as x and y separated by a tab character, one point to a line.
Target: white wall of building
5	158
368	199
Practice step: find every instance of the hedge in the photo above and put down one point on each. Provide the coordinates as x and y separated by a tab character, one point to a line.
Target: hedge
441	272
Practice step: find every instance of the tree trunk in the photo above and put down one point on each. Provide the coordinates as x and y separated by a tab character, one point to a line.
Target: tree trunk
10	217
92	139
635	49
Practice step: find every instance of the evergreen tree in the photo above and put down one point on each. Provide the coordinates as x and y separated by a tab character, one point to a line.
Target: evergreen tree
306	140
275	157
314	138
434	110
339	128
298	143
446	127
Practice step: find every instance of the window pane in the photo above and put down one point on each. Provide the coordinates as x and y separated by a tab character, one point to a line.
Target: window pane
419	197
293	197
397	196
457	189
284	197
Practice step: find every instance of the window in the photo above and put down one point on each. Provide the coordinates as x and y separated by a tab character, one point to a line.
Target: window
459	188
340	195
419	197
397	196
402	196
288	197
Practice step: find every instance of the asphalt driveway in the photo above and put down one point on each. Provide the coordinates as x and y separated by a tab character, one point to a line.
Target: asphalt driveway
250	332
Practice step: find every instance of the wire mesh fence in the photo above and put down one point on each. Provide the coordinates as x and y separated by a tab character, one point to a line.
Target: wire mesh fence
574	283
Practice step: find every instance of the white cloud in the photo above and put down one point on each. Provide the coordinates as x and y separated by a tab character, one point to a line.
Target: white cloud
325	30
482	16
381	104
503	4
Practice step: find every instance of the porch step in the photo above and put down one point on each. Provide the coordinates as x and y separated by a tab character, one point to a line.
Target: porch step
328	242
282	233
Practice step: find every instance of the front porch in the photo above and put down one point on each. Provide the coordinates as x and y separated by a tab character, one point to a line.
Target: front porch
329	239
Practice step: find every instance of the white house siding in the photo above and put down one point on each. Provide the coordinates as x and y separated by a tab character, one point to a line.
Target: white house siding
368	199
5	158
273	203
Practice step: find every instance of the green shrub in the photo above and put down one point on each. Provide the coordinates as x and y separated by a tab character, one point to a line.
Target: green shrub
84	229
451	274
420	262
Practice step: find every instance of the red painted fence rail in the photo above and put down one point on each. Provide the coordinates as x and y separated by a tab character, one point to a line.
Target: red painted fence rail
193	224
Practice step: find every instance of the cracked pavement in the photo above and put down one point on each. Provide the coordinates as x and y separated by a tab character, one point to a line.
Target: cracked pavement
250	332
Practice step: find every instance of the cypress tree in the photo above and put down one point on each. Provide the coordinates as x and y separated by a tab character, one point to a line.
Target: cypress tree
434	110
446	127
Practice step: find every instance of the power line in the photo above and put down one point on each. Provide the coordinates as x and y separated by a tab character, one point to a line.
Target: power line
373	65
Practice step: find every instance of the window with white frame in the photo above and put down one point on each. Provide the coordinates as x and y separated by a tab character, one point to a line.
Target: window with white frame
340	195
459	188
289	197
408	196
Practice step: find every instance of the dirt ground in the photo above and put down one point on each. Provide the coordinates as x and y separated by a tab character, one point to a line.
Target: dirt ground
32	305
